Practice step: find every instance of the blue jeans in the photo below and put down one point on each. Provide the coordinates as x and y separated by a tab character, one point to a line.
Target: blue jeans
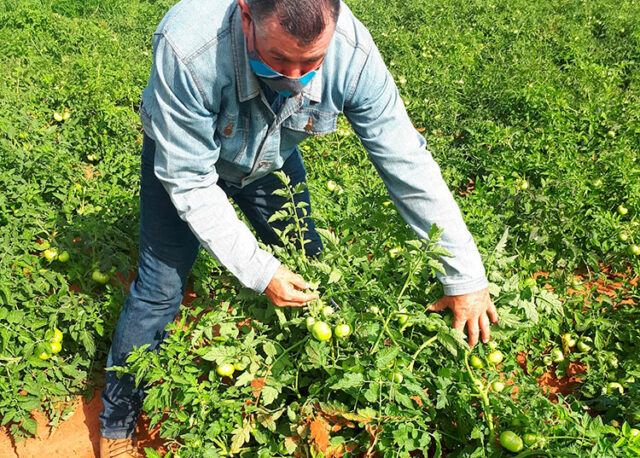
168	250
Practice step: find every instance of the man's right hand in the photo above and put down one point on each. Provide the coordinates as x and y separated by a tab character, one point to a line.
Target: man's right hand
285	289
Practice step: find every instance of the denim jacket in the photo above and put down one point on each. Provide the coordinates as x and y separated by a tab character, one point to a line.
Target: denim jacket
205	110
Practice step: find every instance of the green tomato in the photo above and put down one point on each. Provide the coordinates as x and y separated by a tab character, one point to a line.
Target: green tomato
584	344
498	387
479	384
529	439
611	133
56	347
557	356
530	282
44	355
597	183
614	388
57	116
402	316
634	432
511	441
66	115
64	256
393	252
51	254
396	377
492	344
321	331
495	357
331	185
634	250
99	277
327	311
524	184
310	322
622	209
623	236
225	370
569	340
342	330
57	335
476	362
239	366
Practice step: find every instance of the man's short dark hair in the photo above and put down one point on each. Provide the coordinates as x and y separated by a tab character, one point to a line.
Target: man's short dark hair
303	19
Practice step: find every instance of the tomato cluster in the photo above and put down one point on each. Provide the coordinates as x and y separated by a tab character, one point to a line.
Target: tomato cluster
317	324
53	346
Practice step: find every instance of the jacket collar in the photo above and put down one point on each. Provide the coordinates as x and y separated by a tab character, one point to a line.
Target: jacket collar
246	80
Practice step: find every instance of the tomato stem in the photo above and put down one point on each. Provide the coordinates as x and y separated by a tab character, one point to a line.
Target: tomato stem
422	347
486	407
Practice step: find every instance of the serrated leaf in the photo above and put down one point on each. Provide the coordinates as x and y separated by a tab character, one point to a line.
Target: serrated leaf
269	394
241	435
349	380
317	353
435	232
452	340
30	425
335	276
530	310
386	356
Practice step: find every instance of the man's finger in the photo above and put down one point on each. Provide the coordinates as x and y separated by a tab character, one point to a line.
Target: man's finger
493	313
438	306
472	329
459	322
299	297
485	327
289	304
298	281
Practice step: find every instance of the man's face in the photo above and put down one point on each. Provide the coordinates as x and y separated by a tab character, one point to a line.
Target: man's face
281	51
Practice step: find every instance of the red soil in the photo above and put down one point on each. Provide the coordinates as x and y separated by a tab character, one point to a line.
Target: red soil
77	436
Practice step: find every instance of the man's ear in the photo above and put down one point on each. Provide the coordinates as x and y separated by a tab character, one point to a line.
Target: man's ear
245	16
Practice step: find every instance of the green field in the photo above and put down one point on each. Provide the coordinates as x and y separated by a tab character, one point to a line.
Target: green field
532	110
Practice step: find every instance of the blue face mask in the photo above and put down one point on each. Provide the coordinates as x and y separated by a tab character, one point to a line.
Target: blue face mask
282	84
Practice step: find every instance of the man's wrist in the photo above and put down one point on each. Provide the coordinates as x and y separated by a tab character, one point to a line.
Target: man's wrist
265	276
465	287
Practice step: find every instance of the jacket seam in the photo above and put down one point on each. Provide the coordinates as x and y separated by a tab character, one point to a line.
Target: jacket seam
186	66
356	80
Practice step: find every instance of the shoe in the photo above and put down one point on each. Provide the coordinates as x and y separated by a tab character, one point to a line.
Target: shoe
118	448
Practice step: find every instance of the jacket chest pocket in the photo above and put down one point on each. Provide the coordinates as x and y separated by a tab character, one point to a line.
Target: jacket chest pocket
232	130
306	122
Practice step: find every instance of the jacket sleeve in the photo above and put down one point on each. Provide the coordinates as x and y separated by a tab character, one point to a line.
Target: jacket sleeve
410	174
185	163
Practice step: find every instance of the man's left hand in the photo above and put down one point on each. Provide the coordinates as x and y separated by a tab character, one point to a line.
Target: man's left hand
473	310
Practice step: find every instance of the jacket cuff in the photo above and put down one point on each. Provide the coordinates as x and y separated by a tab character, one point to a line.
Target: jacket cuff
267	269
465	287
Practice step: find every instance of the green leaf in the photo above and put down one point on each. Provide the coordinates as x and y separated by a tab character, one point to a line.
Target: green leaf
30	425
151	453
269	394
317	353
335	276
348	380
435	233
386	356
241	435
